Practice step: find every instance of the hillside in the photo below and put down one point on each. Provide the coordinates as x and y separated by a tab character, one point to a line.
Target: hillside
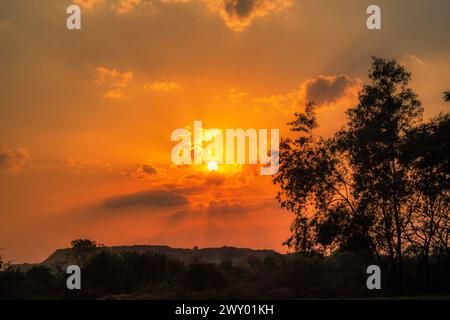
62	257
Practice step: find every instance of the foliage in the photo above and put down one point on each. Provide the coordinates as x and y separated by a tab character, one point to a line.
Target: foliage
82	249
380	185
110	275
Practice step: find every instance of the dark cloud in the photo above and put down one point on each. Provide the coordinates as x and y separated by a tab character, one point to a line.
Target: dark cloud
219	208
156	198
239	14
208	179
214	179
148	169
177	217
327	89
144	171
241	8
13	159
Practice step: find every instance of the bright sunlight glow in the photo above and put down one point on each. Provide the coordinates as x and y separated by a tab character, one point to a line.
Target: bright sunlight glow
212	166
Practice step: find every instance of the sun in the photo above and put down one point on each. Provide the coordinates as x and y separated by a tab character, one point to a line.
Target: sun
212	166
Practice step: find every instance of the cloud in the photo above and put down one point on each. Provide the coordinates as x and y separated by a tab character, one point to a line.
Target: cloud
119	7
214	179
239	14
327	89
222	207
235	94
411	59
144	171
324	90
175	1
114	81
154	198
125	6
206	179
280	102
148	169
88	4
162	86
177	217
13	159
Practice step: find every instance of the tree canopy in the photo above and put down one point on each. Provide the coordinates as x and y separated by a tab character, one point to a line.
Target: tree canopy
379	185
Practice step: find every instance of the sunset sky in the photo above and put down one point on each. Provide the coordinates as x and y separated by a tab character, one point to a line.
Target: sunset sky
86	115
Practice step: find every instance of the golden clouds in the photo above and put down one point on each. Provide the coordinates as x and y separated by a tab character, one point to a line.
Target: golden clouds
125	6
88	4
119	7
239	14
13	159
286	103
235	93
324	90
162	86
114	81
144	171
117	84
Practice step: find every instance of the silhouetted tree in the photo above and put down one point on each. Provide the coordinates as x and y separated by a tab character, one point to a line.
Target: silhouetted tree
40	280
203	276
375	185
82	249
426	151
388	109
315	184
105	273
447	96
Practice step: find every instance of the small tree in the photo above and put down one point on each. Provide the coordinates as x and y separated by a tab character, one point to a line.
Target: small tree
83	249
447	96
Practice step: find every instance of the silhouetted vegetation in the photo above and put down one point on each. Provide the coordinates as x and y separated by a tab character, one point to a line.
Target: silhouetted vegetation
82	249
379	186
153	276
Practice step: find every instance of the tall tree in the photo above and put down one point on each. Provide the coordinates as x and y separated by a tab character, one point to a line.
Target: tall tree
426	153
356	190
426	150
388	109
447	96
316	185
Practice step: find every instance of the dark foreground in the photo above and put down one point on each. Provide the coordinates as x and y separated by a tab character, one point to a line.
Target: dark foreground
136	276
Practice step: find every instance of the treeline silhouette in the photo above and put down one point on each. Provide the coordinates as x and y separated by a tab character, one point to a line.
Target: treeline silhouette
379	186
109	275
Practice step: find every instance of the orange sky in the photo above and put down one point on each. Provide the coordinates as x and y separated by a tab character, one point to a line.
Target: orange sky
86	116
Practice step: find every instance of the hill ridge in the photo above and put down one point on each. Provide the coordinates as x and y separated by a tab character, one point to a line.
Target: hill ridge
236	255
